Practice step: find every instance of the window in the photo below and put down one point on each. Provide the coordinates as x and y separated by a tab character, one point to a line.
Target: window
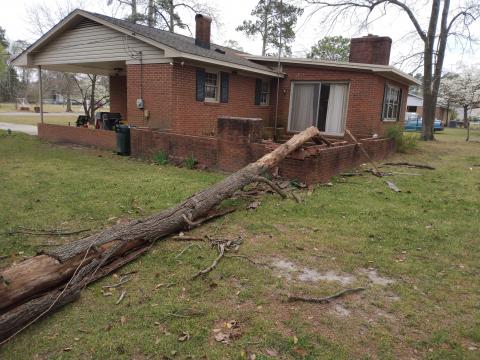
319	104
391	103
265	93
211	86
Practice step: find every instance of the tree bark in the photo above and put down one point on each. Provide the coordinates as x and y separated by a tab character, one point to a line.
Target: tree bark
151	13
171	13
429	98
44	283
466	123
91	114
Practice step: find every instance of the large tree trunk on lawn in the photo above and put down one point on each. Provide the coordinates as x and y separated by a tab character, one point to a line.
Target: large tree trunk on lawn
45	282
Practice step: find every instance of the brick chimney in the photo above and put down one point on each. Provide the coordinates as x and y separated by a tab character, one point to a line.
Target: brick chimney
202	30
371	49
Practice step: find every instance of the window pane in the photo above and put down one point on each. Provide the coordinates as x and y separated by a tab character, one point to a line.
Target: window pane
391	106
211	85
265	94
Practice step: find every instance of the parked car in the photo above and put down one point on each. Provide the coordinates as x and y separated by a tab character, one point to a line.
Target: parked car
414	123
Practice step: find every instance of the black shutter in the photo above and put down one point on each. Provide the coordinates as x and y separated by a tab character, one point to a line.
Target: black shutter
400	94
200	85
224	80
384	99
258	91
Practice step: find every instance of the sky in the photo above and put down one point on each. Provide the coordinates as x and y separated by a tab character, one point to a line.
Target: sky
310	28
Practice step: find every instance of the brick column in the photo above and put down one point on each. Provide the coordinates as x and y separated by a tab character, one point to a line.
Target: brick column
234	136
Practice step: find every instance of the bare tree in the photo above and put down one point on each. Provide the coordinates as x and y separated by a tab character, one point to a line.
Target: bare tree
442	23
168	13
93	94
42	17
134	15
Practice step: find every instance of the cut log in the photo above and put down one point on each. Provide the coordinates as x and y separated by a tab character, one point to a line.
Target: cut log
44	283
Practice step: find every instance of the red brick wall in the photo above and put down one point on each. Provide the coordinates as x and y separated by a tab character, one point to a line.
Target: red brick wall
200	118
365	98
158	95
170	98
146	143
230	155
118	95
103	139
222	153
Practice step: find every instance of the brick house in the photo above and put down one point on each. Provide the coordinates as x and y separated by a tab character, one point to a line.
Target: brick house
173	86
184	84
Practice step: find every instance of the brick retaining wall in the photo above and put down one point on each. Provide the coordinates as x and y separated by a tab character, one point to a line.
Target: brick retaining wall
229	151
82	136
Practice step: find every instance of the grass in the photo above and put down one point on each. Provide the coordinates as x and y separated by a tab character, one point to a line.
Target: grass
51	108
425	239
49	117
34	120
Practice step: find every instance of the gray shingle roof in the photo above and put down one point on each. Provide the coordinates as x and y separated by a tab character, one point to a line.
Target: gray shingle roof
183	43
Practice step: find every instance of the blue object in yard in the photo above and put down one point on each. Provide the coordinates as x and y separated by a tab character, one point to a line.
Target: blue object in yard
414	123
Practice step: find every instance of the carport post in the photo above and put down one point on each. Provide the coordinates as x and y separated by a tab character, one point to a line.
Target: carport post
40	92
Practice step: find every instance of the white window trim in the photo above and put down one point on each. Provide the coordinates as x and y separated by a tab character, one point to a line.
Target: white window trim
394	119
293	82
217	92
269	94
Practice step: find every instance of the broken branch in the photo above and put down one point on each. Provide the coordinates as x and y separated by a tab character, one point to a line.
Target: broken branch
410	165
325	300
221	250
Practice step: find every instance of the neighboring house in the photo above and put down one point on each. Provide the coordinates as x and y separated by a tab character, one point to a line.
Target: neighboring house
180	84
415	104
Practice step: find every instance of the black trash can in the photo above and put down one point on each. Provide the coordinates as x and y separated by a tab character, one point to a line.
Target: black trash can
123	139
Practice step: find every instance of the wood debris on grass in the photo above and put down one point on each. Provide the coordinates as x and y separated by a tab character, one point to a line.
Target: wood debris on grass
327	299
409	165
222	246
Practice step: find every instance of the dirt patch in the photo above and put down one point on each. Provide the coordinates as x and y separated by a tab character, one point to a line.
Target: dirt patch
376	279
289	270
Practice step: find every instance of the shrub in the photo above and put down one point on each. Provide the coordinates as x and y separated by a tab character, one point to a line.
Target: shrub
190	162
160	158
403	142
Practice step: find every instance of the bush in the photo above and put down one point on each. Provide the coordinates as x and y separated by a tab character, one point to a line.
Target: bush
403	142
160	158
190	162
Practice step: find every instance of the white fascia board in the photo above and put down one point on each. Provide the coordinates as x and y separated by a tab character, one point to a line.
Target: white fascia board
230	65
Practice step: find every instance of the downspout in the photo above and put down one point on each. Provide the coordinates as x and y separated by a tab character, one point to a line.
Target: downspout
40	92
275	124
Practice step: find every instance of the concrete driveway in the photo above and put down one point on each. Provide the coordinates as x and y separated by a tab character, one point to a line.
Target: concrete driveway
27	129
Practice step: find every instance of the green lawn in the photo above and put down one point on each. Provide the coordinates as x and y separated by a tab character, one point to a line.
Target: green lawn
49	117
34	120
425	239
52	108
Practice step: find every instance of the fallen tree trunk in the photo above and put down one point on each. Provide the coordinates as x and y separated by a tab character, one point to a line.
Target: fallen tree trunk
43	283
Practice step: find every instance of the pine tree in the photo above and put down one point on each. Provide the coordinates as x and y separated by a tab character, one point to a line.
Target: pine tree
275	20
331	48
